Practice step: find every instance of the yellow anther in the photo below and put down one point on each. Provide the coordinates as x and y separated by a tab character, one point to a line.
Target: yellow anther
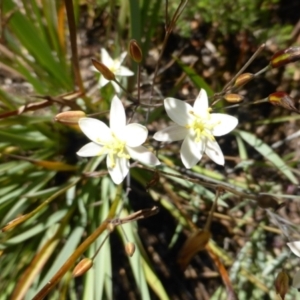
202	126
116	149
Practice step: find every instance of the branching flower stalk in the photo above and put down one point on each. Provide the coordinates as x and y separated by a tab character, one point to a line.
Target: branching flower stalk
169	28
48	154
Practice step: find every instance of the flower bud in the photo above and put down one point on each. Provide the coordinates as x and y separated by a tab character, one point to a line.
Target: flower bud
282	99
243	79
130	248
69	117
233	98
82	267
103	69
285	56
135	51
282	284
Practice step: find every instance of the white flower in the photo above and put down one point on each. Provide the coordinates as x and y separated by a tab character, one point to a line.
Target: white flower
196	126
295	247
114	65
120	142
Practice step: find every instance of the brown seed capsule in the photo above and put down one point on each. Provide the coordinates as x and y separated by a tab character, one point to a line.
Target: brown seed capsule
285	56
282	99
135	51
130	248
70	117
104	70
282	284
82	267
243	79
233	98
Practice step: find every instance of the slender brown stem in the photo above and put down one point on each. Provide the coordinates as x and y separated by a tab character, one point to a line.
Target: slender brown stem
70	262
218	96
212	210
226	187
79	251
169	29
257	52
99	248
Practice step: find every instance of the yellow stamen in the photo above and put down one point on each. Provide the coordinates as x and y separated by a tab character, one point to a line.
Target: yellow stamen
202	126
116	149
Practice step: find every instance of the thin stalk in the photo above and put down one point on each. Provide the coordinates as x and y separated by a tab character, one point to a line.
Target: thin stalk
169	29
78	252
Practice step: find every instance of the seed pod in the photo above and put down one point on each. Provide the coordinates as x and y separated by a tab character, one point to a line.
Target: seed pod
233	98
243	79
284	57
69	117
282	284
104	70
135	51
82	267
282	99
130	248
267	201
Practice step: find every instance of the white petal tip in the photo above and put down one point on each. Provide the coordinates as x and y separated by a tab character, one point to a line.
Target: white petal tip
295	247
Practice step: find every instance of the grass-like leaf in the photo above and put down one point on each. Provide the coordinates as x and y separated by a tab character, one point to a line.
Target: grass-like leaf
269	154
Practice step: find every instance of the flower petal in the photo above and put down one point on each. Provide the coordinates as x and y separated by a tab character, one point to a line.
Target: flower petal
135	134
106	58
143	155
102	81
123	71
91	149
116	86
214	152
178	111
171	133
225	123
191	152
201	103
122	57
295	247
95	130
117	117
120	170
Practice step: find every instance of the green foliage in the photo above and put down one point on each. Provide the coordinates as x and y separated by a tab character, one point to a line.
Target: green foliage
235	16
56	207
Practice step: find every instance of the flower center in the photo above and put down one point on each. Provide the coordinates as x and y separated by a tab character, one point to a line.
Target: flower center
115	66
202	126
116	150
